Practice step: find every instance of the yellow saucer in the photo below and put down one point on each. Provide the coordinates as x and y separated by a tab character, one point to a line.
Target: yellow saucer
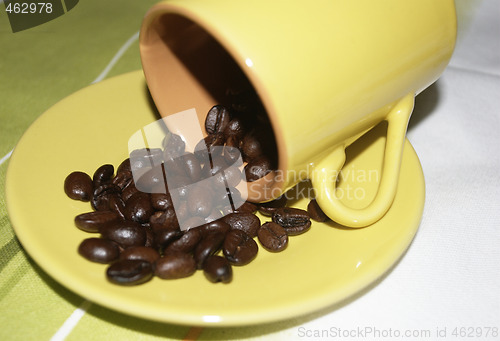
319	268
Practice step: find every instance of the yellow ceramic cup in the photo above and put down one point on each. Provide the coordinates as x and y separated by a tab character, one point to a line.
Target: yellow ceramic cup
326	72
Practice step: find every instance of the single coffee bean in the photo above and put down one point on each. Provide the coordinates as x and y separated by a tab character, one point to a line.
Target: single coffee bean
247	207
124	166
99	250
315	212
125	233
239	248
247	222
235	129
192	166
294	220
217	269
230	176
103	175
78	186
268	208
153	178
200	200
215	226
138	207
129	272
95	220
161	201
117	205
123	179
164	237
217	119
187	242
257	168
147	254
251	147
208	246
231	151
173	146
175	265
100	198
129	190
273	237
164	219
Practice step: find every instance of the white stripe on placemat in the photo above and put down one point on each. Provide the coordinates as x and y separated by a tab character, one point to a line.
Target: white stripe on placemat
6	157
71	322
117	56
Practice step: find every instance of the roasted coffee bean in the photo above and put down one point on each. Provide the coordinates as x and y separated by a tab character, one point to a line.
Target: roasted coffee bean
173	146
294	220
247	222
153	178
268	208
175	265
273	237
239	248
129	272
208	246
78	186
164	237
100	198
217	269
200	200
315	212
161	201
211	144
124	166
99	250
117	205
103	175
123	179
230	176
217	165
215	226
192	166
231	151
187	242
228	197
251	147
246	207
257	168
125	233
217	119
95	220
129	190
164	219
138	207
235	129
144	253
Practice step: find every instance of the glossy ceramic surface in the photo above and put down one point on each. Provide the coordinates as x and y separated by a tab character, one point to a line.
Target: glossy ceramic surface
327	264
326	71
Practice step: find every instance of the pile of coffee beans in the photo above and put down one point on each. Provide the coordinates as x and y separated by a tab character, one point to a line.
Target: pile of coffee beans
140	234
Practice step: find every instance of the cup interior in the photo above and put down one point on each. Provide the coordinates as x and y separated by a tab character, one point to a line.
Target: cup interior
187	67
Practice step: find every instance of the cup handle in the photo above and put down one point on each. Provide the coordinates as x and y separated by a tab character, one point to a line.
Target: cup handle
328	169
